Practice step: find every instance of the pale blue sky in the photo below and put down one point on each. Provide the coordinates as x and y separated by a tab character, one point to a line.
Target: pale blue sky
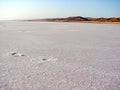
36	9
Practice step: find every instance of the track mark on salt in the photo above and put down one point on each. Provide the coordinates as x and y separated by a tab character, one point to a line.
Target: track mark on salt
43	59
16	54
25	31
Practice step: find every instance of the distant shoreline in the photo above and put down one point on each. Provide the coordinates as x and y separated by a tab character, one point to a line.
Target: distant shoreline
96	22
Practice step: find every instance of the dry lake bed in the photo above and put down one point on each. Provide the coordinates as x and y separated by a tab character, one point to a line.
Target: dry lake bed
59	56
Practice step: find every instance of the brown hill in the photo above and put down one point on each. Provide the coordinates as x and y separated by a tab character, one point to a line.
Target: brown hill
107	19
68	19
80	19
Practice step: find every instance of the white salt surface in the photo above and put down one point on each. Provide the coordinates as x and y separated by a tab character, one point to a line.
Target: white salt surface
59	56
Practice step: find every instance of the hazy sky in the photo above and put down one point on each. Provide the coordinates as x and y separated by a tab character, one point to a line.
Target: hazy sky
33	9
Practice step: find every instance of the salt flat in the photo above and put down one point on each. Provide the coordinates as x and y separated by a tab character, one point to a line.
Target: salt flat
59	56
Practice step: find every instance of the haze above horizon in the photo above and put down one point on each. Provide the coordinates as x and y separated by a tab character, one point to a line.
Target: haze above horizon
37	9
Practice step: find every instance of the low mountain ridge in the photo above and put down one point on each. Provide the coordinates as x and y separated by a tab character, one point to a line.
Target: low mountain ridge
80	19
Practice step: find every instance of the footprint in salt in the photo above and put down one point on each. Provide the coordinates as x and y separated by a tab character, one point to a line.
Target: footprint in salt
43	59
24	31
16	54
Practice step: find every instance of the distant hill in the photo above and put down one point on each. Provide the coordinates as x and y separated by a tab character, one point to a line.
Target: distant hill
107	19
68	19
80	19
